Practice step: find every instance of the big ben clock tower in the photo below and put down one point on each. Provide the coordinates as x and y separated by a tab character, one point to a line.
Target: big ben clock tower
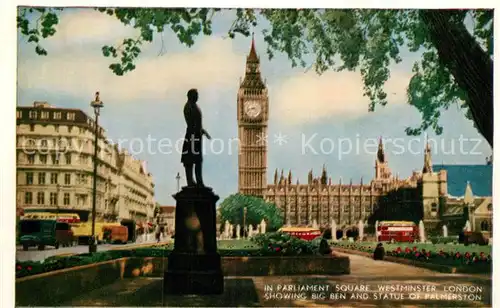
253	113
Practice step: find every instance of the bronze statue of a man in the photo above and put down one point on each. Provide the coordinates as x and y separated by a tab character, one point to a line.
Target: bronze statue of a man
191	149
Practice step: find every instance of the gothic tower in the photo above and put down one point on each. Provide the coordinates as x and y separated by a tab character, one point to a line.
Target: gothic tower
382	171
434	188
253	114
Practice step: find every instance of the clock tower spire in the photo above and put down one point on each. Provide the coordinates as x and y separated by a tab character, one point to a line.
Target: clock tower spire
252	116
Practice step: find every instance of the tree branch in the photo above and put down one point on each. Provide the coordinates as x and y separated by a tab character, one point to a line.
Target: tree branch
469	64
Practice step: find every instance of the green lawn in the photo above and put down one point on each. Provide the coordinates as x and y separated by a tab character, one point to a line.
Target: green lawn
432	247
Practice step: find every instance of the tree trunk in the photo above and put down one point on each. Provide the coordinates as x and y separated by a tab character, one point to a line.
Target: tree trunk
470	65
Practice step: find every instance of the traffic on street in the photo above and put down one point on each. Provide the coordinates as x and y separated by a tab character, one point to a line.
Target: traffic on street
33	254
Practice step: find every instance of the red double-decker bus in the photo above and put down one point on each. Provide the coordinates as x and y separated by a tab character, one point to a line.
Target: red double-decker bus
397	231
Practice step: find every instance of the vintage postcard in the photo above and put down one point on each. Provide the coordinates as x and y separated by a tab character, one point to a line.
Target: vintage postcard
254	157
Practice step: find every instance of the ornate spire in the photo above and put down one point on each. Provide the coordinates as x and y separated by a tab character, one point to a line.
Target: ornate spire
361	181
380	152
290	177
324	177
468	196
330	181
310	177
282	177
276	176
253	80
252	56
298	182
427	159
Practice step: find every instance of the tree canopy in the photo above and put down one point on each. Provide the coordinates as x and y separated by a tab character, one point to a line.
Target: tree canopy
455	67
232	210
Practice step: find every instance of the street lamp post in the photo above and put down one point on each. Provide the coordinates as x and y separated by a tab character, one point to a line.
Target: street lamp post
178	178
97	104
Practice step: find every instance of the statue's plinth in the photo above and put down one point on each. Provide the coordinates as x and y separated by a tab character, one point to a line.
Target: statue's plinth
194	267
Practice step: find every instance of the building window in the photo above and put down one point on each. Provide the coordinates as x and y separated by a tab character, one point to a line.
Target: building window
53	198
43	159
66	198
29	178
56	128
28	197
31	159
83	178
57	115
19	114
490	207
434	208
44	115
44	143
67	179
68	158
41	178
40	198
32	114
31	143
484	226
53	178
32	127
70	128
55	159
70	116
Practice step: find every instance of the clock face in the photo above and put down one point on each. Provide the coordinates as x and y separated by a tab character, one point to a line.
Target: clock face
252	109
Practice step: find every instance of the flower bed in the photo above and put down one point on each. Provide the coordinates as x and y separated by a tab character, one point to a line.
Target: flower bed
262	245
449	257
283	244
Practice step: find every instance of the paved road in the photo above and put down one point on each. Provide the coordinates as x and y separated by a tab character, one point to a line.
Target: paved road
250	291
33	254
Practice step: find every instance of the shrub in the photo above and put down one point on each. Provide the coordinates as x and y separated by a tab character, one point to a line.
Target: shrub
278	243
443	240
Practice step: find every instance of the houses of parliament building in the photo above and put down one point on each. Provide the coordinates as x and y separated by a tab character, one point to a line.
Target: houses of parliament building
320	201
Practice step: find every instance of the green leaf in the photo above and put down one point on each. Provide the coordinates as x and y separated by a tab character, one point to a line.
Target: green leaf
40	50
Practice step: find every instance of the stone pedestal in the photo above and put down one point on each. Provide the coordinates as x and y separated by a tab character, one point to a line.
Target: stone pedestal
194	267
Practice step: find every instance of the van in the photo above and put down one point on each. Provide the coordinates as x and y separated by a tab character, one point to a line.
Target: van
115	234
41	233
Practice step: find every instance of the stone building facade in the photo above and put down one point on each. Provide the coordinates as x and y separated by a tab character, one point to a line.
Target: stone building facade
166	217
55	148
320	201
422	196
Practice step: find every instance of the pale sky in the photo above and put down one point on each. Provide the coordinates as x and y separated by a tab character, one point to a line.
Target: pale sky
303	105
